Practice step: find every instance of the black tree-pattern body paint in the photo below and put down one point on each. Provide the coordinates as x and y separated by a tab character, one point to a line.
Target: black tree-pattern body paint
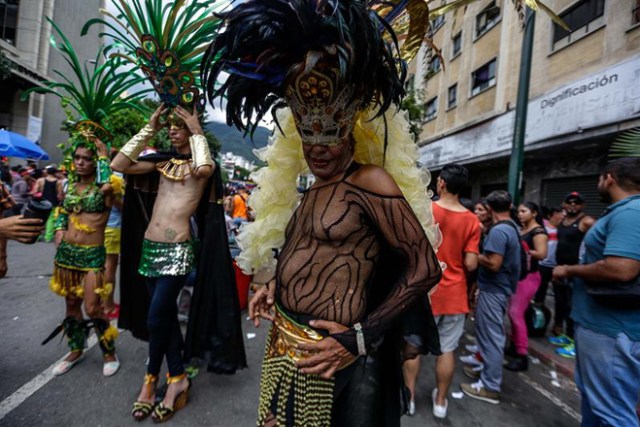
332	245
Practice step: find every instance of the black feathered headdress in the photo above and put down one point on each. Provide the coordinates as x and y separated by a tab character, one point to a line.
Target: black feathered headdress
266	42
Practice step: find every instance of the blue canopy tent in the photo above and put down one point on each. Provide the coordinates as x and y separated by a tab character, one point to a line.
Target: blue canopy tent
15	145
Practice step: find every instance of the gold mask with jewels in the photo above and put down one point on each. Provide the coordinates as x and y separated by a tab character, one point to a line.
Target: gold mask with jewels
323	111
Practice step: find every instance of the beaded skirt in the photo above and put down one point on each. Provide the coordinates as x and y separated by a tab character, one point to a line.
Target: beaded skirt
72	262
294	398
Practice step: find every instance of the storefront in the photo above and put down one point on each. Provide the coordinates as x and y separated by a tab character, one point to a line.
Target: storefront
569	131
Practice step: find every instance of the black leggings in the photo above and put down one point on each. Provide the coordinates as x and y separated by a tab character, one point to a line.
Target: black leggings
165	336
563	293
545	278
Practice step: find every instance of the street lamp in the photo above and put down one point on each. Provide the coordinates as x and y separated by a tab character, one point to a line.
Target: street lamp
517	151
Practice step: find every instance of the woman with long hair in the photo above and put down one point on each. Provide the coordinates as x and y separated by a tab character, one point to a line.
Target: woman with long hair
481	209
534	235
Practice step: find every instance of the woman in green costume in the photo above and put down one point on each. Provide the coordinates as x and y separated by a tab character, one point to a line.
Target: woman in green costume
78	273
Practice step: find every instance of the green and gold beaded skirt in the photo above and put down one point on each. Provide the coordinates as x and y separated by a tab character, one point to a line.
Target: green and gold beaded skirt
72	262
306	399
166	259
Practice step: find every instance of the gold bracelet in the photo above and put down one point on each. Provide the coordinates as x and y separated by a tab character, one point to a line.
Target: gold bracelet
200	154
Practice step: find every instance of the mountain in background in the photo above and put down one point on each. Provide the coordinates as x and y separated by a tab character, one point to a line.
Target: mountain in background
232	140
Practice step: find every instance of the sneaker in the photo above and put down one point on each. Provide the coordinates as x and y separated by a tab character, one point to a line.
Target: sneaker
411	410
518	364
470	359
568	351
111	368
472	348
472	372
65	366
439	411
477	391
560	340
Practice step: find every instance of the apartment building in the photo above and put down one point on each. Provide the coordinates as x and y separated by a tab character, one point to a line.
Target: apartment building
584	91
29	59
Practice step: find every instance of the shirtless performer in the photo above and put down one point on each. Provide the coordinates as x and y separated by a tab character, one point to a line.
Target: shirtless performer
168	249
354	259
78	274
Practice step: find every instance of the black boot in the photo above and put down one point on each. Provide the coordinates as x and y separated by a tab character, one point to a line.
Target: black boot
518	364
510	351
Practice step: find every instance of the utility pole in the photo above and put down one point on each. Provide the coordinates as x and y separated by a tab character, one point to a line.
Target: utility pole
517	151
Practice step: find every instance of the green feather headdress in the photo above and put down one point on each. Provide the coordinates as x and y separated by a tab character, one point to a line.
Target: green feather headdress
166	43
91	93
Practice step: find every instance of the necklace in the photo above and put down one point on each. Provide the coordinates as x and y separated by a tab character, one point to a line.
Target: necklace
75	200
175	169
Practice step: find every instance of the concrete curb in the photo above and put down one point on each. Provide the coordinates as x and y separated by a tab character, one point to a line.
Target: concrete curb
547	356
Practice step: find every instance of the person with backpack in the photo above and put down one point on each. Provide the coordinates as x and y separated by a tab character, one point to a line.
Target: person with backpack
533	240
239	209
498	276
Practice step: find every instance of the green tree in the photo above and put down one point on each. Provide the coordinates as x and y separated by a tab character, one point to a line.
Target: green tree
125	123
415	110
241	173
5	66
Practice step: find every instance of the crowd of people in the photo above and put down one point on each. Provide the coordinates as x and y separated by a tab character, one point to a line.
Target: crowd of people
357	291
518	253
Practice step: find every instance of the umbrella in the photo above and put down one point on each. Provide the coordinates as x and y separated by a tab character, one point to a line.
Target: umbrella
15	145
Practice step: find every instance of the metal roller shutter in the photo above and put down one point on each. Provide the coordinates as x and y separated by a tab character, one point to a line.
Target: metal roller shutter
555	190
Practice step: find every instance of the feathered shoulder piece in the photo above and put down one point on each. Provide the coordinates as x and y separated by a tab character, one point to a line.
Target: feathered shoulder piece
166	41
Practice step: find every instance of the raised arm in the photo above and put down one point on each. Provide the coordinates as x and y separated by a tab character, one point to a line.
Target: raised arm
201	156
126	159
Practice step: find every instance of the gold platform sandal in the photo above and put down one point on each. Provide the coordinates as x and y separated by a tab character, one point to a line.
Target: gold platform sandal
162	413
142	410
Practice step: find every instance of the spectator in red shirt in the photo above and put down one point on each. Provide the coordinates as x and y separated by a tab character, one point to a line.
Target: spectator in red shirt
458	255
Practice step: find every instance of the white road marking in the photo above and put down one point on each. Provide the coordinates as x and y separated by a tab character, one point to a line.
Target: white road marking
27	390
566	408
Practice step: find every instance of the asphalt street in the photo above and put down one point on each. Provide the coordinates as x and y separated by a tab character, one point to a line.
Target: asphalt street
31	396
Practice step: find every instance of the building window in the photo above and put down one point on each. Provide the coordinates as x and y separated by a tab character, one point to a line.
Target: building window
431	109
483	78
437	23
487	19
578	17
457	44
636	13
434	64
452	101
8	20
409	85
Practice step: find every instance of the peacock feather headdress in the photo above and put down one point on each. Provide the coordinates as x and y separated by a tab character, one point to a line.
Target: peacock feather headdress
166	41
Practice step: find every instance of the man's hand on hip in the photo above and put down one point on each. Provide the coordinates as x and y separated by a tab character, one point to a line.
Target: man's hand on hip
329	356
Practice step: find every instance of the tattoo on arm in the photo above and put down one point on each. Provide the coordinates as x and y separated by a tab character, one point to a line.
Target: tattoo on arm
170	234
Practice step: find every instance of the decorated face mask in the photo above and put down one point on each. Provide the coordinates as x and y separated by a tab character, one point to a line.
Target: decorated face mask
324	111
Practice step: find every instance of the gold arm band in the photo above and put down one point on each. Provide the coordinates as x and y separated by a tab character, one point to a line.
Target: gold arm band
200	151
134	147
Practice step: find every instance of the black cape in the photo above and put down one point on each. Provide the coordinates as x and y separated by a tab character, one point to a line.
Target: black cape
214	331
